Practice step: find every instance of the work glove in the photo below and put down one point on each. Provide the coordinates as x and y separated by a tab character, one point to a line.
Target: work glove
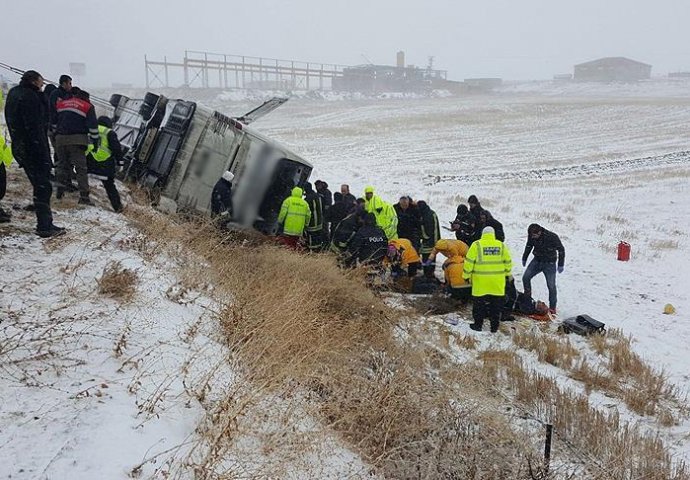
560	269
428	263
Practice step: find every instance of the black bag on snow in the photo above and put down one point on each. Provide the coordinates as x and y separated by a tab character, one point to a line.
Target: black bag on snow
424	285
582	325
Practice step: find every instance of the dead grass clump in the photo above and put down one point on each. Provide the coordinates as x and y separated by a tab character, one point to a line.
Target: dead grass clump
118	282
557	351
593	378
661	245
617	219
468	342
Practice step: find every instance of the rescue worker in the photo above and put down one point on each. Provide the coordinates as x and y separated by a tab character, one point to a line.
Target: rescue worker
293	217
77	127
221	199
384	213
369	245
402	258
348	198
409	225
102	163
26	121
430	233
455	252
549	258
62	92
326	202
5	161
315	239
487	266
345	231
464	225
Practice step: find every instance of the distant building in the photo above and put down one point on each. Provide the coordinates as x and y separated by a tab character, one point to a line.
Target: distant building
386	78
612	69
482	84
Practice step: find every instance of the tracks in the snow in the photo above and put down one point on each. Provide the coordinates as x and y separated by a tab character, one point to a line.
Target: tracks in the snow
570	171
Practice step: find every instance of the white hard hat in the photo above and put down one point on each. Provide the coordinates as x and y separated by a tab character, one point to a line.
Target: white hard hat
489	230
228	176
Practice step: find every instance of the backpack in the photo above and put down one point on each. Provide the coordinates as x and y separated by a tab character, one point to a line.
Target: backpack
582	325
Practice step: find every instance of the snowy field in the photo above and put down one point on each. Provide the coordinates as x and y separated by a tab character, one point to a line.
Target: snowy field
92	388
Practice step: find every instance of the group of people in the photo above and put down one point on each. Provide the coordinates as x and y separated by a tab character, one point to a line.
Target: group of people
62	117
405	239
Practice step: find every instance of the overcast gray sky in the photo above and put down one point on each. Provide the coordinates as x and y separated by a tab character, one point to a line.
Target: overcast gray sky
512	39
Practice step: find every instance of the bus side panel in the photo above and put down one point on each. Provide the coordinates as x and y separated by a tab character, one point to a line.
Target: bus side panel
211	157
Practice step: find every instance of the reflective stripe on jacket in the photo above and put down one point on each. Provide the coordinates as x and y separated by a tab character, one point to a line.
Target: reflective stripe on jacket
487	265
294	214
103	153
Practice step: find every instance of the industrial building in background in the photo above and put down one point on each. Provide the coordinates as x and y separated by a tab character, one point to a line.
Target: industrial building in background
612	69
223	71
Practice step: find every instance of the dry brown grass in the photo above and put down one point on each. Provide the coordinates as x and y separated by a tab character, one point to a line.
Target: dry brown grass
301	330
297	323
555	350
118	282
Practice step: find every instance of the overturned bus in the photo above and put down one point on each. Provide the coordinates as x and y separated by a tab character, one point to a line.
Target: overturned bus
179	149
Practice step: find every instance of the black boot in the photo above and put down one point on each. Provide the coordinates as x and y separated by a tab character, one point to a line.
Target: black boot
5	217
476	327
85	201
60	193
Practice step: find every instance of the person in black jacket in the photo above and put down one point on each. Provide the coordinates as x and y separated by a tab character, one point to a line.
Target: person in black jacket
409	223
487	220
345	231
103	162
77	128
314	231
430	232
464	225
349	199
221	197
338	211
549	257
62	92
26	121
369	245
326	201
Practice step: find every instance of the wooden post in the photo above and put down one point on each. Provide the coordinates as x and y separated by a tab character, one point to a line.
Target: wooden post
547	447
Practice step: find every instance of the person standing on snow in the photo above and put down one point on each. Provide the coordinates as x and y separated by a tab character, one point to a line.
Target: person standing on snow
487	265
315	234
430	232
294	216
77	128
26	121
408	221
464	225
102	163
384	213
348	198
221	197
549	258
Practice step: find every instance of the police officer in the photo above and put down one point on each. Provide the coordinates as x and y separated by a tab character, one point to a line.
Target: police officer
487	265
102	163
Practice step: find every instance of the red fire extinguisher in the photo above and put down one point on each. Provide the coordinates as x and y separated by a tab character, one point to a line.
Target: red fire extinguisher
624	251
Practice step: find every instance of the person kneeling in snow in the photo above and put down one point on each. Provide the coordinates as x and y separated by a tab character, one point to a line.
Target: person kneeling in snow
102	163
455	252
402	258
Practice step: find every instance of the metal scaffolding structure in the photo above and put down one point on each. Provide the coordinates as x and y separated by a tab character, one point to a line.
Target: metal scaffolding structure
217	70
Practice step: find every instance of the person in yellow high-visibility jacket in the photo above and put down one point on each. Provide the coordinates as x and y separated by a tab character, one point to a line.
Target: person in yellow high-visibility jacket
5	161
294	216
454	251
487	265
386	216
402	256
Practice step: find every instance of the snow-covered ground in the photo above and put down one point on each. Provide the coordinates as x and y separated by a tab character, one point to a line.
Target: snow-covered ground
91	387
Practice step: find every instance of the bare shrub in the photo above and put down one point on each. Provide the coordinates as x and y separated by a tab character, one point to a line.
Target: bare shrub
468	342
557	351
118	282
661	245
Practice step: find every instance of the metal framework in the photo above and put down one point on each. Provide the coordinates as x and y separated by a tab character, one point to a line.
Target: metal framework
217	70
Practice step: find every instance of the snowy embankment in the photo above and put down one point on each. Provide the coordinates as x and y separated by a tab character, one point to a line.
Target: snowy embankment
99	387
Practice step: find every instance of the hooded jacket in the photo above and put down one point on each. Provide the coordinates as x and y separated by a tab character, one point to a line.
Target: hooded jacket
454	251
386	218
487	265
294	214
